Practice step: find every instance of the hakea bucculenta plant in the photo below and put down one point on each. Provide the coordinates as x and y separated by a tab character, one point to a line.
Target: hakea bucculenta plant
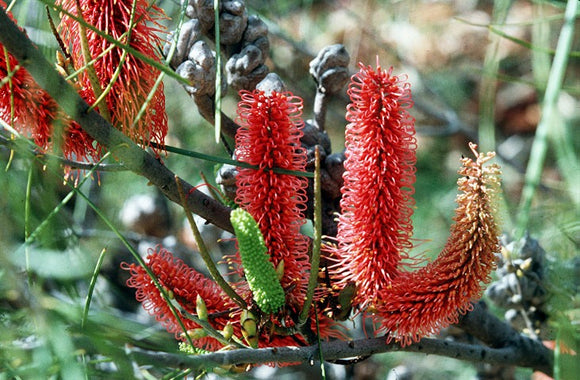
371	249
186	287
126	82
272	260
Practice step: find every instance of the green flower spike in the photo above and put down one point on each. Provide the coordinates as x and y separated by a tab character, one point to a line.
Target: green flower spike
260	273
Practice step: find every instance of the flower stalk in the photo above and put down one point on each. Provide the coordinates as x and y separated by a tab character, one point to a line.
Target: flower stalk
316	242
203	251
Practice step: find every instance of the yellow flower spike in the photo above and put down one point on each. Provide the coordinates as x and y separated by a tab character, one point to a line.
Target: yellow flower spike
200	308
262	277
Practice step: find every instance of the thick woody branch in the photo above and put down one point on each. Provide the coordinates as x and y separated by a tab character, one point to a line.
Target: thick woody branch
506	347
125	150
331	351
495	333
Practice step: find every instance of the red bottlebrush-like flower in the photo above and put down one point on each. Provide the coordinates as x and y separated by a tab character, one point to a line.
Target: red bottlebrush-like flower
269	138
31	111
374	228
136	79
422	302
185	284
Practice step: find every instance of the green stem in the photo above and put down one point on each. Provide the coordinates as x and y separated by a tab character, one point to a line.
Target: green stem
27	221
92	287
316	242
489	80
92	74
203	251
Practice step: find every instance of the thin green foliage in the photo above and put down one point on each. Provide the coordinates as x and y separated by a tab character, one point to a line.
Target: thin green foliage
549	118
118	233
137	54
489	81
320	354
27	221
91	72
533	46
215	273
223	160
161	75
92	284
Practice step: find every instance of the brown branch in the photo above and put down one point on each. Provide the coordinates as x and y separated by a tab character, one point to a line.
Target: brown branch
336	350
206	107
499	335
506	347
126	151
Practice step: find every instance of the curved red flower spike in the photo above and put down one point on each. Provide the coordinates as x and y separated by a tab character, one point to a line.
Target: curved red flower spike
422	302
374	229
269	138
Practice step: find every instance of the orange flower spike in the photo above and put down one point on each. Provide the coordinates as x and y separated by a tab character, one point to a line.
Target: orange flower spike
136	79
422	302
269	137
375	228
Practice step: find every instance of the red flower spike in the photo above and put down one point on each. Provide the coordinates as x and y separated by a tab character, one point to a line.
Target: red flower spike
137	78
269	138
32	112
185	283
422	302
375	228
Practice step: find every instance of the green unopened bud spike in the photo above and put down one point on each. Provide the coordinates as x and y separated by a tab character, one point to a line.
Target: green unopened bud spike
260	273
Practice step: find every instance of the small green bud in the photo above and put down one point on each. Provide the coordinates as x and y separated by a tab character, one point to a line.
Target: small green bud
200	308
280	270
228	331
249	328
196	333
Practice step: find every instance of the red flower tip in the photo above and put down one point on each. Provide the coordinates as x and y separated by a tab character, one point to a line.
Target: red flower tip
375	228
422	302
269	138
130	79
